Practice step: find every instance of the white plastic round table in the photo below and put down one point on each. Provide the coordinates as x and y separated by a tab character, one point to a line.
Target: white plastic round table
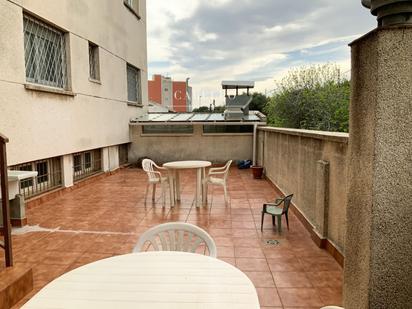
174	168
150	280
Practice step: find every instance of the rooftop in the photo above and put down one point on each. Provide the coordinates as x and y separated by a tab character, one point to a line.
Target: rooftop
105	218
177	118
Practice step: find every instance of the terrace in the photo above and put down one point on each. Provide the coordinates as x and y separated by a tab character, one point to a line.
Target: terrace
105	217
351	203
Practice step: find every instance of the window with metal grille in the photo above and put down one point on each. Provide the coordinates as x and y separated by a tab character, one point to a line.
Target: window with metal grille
94	70
45	53
49	176
133	84
86	164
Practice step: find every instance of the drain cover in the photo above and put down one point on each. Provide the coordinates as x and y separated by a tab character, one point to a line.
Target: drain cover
272	242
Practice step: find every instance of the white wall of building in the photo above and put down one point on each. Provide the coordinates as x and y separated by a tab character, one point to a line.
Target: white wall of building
41	124
167	92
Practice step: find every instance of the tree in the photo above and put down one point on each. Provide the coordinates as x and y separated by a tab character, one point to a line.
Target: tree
219	109
314	98
201	109
259	102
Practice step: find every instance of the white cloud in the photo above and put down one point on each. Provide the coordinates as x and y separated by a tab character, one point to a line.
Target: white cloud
249	39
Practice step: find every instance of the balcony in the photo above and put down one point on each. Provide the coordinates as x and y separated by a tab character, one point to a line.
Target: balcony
105	217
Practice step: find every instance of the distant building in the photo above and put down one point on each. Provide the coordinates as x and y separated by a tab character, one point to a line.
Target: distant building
174	95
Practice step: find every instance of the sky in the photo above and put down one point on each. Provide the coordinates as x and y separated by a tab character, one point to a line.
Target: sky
259	40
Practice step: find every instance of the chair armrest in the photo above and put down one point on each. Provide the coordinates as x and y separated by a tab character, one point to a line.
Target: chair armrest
216	173
216	169
276	203
157	173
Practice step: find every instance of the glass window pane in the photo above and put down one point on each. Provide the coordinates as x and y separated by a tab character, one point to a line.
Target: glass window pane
165	129
227	129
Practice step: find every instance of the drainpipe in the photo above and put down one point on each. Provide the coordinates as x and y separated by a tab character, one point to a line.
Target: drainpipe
254	143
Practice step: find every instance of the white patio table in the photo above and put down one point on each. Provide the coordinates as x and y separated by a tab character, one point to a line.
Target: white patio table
200	167
150	280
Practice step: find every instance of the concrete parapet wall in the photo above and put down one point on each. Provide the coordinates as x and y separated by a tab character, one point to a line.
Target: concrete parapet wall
217	148
313	166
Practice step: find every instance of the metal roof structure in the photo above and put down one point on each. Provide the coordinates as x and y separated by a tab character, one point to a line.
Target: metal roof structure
254	117
238	84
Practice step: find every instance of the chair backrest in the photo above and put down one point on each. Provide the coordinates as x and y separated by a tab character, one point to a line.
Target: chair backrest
177	236
286	202
227	167
148	166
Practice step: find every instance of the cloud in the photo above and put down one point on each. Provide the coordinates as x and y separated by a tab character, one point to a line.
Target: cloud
214	40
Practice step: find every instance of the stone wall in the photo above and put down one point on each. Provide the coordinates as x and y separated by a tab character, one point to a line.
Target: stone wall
313	166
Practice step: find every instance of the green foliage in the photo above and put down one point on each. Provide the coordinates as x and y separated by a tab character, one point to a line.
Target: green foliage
219	109
314	98
201	109
259	102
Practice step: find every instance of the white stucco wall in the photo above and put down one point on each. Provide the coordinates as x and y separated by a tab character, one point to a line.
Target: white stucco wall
42	125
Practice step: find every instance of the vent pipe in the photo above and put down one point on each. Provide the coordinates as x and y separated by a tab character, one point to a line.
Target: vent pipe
390	12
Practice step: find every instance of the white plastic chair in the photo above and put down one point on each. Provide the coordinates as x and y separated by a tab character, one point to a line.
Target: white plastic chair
222	172
177	236
155	177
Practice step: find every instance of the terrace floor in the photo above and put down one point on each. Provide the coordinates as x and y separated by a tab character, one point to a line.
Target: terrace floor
106	217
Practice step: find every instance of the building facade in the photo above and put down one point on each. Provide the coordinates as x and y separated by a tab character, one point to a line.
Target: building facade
174	95
72	74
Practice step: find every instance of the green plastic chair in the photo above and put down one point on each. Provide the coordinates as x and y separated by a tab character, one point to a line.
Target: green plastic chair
274	210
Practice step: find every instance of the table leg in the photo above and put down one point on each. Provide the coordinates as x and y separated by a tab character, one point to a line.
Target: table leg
204	189
198	186
172	188
177	179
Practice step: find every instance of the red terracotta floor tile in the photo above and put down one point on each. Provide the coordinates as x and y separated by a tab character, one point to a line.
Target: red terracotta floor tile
252	264
291	280
299	297
106	217
331	296
249	252
261	279
268	297
225	252
282	264
325	278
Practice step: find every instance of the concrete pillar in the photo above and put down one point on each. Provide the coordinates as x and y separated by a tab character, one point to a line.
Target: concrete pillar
67	170
322	199
378	251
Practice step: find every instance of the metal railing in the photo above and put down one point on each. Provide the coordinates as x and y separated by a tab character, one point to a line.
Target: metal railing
6	243
86	164
49	176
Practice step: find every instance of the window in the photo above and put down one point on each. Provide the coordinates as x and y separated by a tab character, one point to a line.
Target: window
133	5
87	160
49	176
86	164
165	129
94	70
26	182
45	53
42	170
123	154
77	163
133	84
222	129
